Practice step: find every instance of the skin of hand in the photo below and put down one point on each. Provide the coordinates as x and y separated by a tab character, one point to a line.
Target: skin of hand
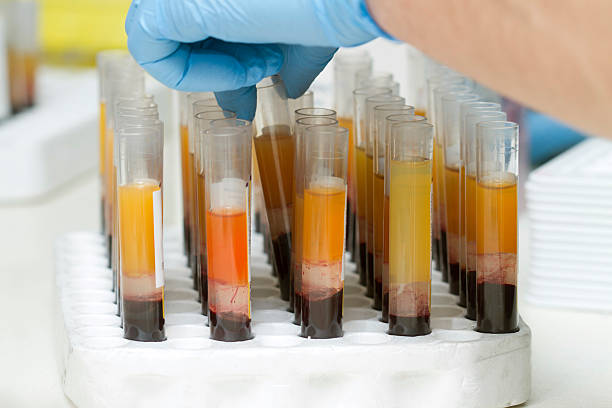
552	55
227	46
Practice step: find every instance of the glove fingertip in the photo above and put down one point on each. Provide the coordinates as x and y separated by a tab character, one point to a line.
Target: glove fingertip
242	101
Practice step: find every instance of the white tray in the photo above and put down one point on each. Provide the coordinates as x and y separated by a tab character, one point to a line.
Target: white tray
453	367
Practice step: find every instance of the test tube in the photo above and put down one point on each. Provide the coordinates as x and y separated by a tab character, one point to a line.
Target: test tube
326	118
371	103
416	73
326	153
102	59
361	136
472	118
439	83
346	67
497	233
202	122
198	102
141	231
451	104
124	79
410	170
22	53
378	189
390	121
275	148
227	155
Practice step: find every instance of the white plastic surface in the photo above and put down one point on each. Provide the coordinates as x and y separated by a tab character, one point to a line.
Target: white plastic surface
570	210
453	367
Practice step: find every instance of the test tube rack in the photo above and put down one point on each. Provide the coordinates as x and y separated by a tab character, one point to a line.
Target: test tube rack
452	367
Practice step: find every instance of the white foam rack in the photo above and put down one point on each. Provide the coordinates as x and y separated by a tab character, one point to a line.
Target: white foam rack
452	367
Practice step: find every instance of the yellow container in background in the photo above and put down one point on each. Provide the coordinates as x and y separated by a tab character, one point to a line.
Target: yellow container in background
73	31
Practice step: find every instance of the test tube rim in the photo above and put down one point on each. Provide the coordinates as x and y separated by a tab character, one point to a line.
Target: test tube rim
365	91
500	125
328	112
392	107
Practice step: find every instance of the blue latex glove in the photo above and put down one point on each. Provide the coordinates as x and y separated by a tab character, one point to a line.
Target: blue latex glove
227	46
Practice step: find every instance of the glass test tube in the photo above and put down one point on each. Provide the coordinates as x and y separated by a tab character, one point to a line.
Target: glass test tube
449	118
129	112
376	78
202	122
472	118
417	92
497	232
198	102
275	148
371	103
102	59
298	201
361	136
438	247
346	67
227	155
124	79
390	121
411	150
22	53
141	230
380	112
326	153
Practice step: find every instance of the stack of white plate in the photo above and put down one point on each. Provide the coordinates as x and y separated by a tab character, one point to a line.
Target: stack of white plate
569	203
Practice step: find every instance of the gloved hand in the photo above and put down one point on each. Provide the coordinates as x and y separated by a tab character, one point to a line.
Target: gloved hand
230	45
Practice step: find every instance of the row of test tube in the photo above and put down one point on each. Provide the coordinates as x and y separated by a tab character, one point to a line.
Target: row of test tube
436	181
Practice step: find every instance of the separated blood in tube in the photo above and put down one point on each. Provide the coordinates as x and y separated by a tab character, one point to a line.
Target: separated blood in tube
359	100
203	118
326	118
378	131
324	226
390	121
472	118
411	149
346	67
228	173
497	230
371	103
185	173
197	102
451	117
141	235
437	87
275	148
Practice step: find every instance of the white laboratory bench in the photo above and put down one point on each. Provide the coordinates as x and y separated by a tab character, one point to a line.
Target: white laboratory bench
572	356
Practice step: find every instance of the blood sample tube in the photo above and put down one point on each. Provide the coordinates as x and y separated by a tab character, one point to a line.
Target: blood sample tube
361	135
227	155
451	104
124	79
371	103
202	122
439	83
468	158
298	200
197	102
390	121
22	53
497	233
378	79
416	79
378	189
411	149
141	231
102	59
275	148
326	153
346	67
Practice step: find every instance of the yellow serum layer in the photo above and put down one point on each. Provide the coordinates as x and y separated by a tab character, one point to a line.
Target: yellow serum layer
185	171
360	159
470	214
451	185
370	202
410	221
102	136
348	124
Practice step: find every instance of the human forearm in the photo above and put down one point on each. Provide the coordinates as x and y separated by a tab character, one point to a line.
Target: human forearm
551	55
